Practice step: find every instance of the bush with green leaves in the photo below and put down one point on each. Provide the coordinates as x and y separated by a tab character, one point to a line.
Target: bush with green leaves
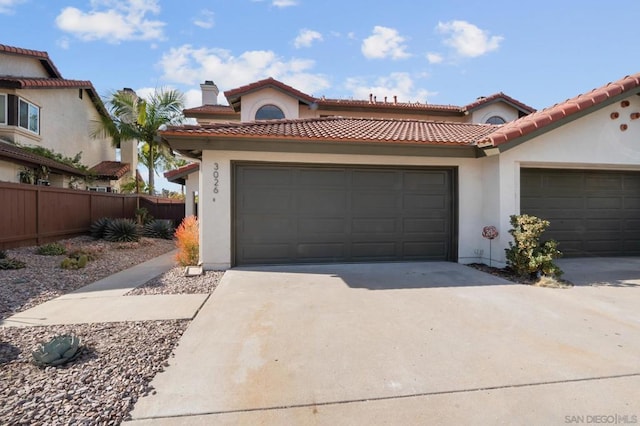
11	263
121	230
527	255
74	262
159	228
98	227
51	249
3	254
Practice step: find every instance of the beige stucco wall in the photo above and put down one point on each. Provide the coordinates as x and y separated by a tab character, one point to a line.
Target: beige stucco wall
9	172
481	115
20	66
215	200
253	101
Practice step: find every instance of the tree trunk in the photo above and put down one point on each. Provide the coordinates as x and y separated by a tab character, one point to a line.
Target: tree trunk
151	171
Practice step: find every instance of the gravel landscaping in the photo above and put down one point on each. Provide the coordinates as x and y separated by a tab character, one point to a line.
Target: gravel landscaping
118	360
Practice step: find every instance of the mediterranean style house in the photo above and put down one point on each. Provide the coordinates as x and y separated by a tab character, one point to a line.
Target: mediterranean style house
284	177
40	108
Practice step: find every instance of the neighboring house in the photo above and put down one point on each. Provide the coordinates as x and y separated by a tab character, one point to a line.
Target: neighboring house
343	188
38	107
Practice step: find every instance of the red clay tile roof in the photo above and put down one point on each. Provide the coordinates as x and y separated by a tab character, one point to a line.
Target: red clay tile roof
497	97
210	110
22	156
339	129
43	83
46	62
177	175
572	108
423	107
112	170
233	95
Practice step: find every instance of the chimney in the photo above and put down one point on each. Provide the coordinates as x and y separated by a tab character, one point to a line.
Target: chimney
385	99
370	98
395	99
209	93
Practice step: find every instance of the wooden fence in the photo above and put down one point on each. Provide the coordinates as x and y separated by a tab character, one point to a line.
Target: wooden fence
34	215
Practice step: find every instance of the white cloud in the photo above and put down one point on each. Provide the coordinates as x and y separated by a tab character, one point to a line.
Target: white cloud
384	43
7	6
284	3
188	65
467	39
63	43
113	20
398	84
306	38
434	58
204	19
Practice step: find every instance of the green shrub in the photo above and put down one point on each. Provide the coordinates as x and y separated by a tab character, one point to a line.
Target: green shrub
51	249
10	263
98	227
527	256
121	230
143	217
3	254
75	262
159	228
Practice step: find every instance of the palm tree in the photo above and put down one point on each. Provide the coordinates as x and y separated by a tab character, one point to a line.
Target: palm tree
135	118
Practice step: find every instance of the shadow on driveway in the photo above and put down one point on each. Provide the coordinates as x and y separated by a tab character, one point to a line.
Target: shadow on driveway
393	275
602	271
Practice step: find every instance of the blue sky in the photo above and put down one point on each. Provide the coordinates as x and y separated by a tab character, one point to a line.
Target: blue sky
441	52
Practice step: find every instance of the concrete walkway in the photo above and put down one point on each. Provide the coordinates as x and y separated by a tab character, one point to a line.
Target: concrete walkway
104	300
386	344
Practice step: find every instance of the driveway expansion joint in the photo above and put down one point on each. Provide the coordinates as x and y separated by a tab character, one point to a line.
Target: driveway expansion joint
388	398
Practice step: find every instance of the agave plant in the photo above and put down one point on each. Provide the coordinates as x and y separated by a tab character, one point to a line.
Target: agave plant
121	230
159	228
58	351
98	227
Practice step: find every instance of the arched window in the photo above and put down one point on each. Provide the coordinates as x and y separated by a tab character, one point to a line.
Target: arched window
496	119
269	112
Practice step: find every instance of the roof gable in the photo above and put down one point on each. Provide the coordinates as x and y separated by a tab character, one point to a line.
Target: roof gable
552	117
234	96
498	97
43	57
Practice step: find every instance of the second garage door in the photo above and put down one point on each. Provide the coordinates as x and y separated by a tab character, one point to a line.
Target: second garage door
592	212
316	214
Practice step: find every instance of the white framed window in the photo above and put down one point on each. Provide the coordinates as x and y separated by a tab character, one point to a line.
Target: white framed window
29	116
495	119
3	108
269	112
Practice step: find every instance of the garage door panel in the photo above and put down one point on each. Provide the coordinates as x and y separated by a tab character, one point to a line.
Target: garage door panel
322	202
423	202
273	200
322	225
374	226
592	212
317	178
268	177
421	181
378	180
316	213
424	226
374	250
612	202
311	250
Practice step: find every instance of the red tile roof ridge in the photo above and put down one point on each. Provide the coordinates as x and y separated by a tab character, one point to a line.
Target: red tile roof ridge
111	169
22	51
560	111
182	169
500	95
31	82
270	81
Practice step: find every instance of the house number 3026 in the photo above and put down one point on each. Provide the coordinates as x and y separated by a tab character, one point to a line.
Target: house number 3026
216	179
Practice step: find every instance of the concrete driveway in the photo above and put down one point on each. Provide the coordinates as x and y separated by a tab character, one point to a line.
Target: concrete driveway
401	343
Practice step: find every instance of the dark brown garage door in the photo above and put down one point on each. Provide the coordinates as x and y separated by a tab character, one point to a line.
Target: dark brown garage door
315	214
592	213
